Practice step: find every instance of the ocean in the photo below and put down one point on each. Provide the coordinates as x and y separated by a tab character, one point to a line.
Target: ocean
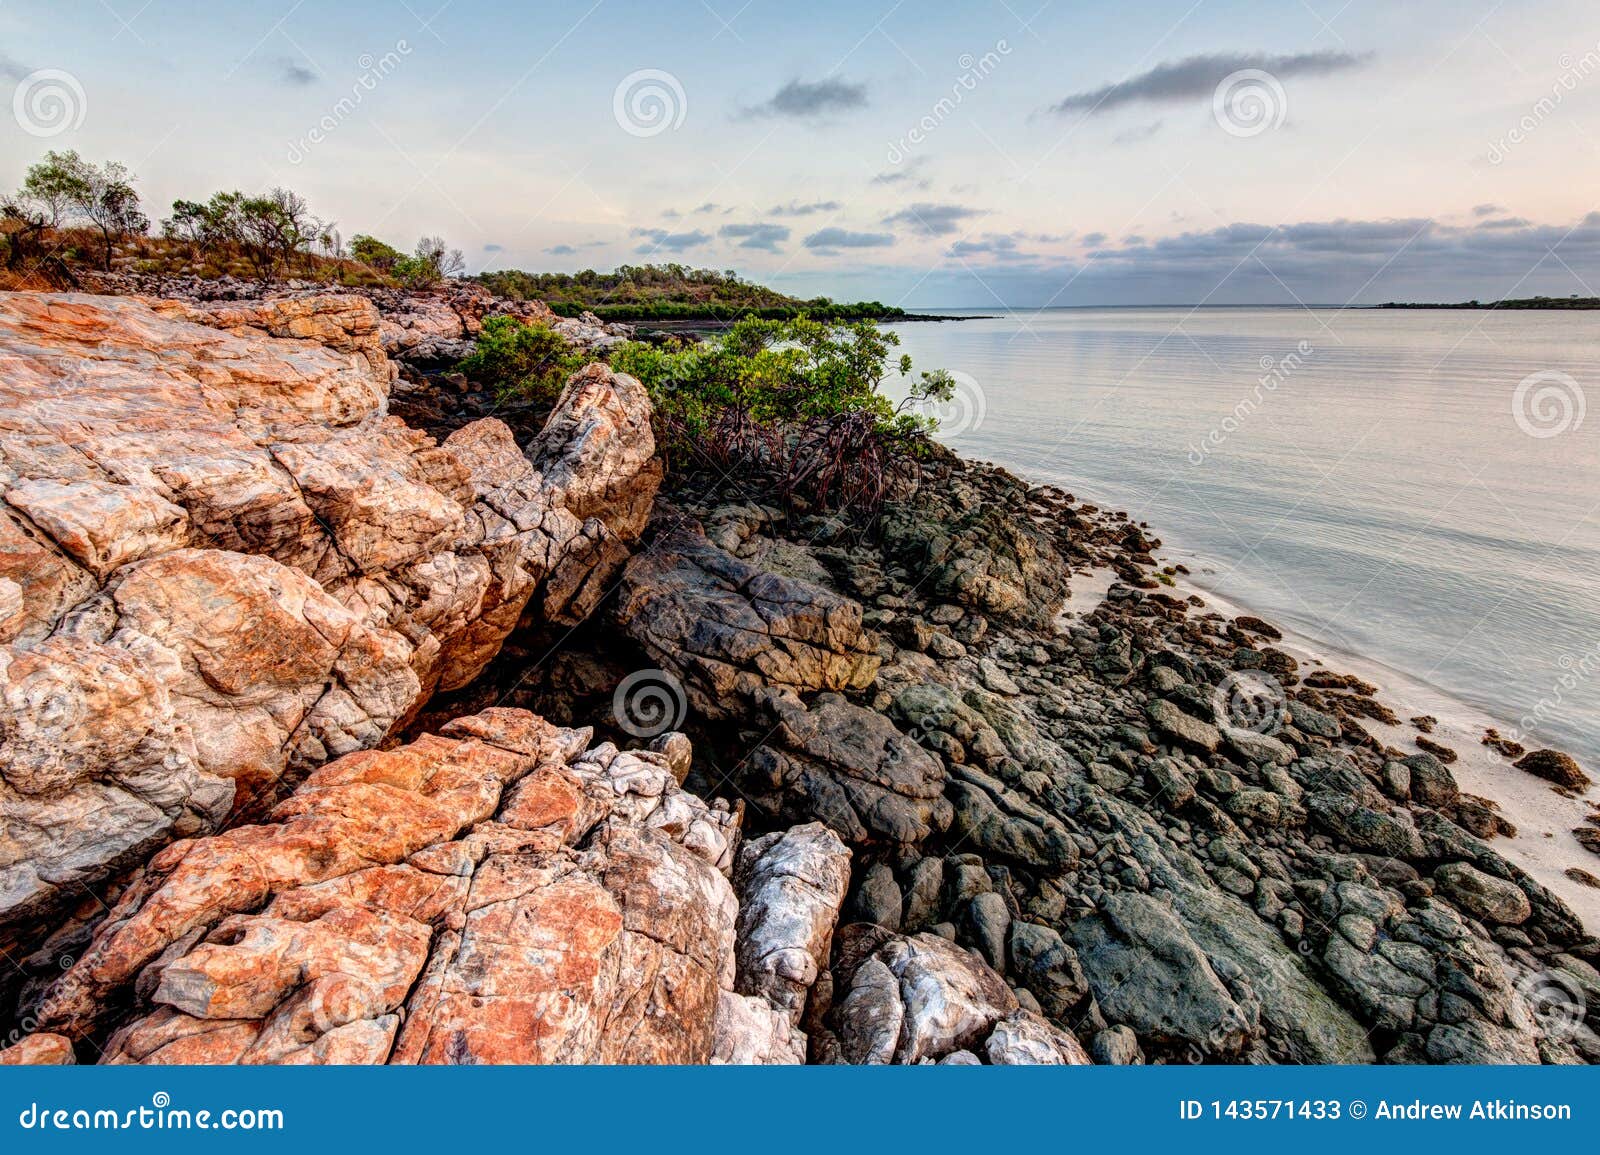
1418	488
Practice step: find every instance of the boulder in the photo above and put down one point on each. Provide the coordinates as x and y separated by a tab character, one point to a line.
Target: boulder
727	630
790	887
1147	973
846	766
1554	766
493	894
918	998
1483	896
222	563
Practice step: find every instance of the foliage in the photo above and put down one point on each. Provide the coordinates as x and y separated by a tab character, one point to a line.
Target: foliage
671	292
521	361
798	401
274	231
429	264
372	251
64	188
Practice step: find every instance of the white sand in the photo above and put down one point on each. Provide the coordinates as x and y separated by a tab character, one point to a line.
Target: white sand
1543	846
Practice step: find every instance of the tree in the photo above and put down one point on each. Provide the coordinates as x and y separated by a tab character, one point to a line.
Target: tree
374	253
64	187
276	228
431	263
55	186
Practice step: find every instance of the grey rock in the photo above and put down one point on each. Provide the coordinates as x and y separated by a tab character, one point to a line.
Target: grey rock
1482	896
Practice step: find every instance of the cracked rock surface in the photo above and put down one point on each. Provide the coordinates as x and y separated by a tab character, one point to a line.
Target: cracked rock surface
221	562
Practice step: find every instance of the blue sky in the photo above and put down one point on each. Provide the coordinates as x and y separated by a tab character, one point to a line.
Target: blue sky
1016	153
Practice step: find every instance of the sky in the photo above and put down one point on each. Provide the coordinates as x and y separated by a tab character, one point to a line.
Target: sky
1015	153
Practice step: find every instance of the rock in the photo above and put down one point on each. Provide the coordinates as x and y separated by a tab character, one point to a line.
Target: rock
948	1000
1254	747
1185	728
233	566
39	1050
1313	721
1363	827
503	893
996	679
870	1015
989	923
922	895
1147	973
846	766
790	887
1048	967
750	1031
1001	822
1432	784
1023	1038
727	630
978	553
1117	1046
1482	896
877	899
1554	766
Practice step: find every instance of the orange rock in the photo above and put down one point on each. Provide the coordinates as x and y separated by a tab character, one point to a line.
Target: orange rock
268	572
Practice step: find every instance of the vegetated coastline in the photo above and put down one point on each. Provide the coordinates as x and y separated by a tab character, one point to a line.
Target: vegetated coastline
1513	303
1127	828
673	295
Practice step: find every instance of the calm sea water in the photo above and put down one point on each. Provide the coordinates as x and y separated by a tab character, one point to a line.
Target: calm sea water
1419	488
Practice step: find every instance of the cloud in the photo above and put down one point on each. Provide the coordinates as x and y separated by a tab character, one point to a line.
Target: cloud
835	238
562	250
757	236
709	207
932	220
662	240
1094	240
796	209
1505	223
909	173
806	100
491	247
1135	135
10	69
1198	76
1323	262
1486	210
294	73
991	246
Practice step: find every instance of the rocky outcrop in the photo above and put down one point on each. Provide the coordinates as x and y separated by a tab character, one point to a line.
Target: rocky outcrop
727	630
221	562
504	892
424	327
922	999
1148	832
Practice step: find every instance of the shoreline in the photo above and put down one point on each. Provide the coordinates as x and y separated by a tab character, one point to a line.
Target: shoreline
1544	845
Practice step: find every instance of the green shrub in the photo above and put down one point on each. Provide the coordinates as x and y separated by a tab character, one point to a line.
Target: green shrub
518	361
797	401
